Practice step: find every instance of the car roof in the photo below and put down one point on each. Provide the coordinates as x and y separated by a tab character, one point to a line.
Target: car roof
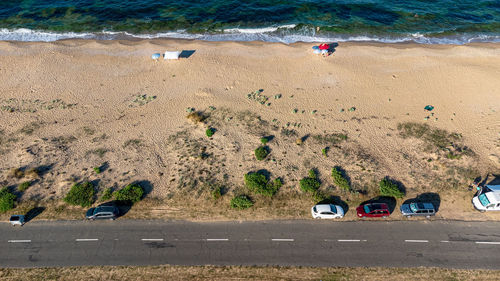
323	208
377	206
493	197
424	206
105	209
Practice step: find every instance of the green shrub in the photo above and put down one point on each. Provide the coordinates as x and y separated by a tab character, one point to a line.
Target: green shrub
258	183
261	152
97	170
217	192
107	194
312	174
23	186
241	202
340	180
310	183
131	193
264	140
278	183
318	196
388	188
81	194
210	132
6	200
324	151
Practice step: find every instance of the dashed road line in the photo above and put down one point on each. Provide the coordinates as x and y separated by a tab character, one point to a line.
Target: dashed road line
86	240
485	242
217	239
349	240
444	241
282	239
152	239
19	241
417	241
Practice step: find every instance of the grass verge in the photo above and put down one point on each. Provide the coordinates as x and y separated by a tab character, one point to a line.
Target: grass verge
167	272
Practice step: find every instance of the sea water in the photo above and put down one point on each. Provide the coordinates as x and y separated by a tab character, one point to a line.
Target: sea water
421	21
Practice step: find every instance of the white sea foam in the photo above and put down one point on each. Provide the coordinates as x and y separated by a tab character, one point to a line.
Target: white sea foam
24	34
284	34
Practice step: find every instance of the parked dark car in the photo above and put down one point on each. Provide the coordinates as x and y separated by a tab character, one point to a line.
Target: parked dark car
102	212
418	209
373	210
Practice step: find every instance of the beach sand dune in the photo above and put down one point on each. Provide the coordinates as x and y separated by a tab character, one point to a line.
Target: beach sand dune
72	105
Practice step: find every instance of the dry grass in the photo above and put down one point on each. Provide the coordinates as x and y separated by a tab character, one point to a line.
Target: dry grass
243	273
16	173
196	117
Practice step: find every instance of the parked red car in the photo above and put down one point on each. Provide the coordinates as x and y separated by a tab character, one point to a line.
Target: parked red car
373	210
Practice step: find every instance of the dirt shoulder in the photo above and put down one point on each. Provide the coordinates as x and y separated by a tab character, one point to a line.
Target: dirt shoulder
242	273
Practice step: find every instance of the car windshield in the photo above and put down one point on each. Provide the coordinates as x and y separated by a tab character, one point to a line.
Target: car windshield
367	209
484	200
334	209
413	207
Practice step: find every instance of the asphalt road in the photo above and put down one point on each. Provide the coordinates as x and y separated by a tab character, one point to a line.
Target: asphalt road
305	243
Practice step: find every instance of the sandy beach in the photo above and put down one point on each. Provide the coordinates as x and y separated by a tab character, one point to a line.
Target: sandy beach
69	106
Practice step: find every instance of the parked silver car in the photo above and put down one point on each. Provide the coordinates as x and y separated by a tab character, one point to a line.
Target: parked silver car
102	212
418	209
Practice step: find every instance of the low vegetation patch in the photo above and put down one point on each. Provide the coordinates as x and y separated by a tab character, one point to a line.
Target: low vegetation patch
30	128
16	173
310	183
261	152
107	194
140	100
389	188
259	184
24	186
241	202
97	170
32	174
7	200
102	151
264	140
435	139
340	180
196	117
330	139
216	192
135	143
210	132
131	193
81	194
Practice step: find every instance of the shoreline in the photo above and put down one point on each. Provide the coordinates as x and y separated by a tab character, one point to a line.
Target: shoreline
268	34
76	42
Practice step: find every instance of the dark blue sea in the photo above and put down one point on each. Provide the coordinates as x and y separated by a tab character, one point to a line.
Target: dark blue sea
421	21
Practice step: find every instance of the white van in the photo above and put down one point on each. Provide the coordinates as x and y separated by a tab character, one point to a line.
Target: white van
487	198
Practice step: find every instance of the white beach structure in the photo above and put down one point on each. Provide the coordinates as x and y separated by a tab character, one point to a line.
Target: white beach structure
171	55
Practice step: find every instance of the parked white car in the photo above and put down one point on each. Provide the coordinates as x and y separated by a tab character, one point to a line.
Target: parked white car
487	198
327	211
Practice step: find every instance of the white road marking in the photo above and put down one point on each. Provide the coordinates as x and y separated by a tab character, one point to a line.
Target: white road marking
152	239
493	243
445	241
19	241
217	239
417	241
86	240
283	239
349	240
